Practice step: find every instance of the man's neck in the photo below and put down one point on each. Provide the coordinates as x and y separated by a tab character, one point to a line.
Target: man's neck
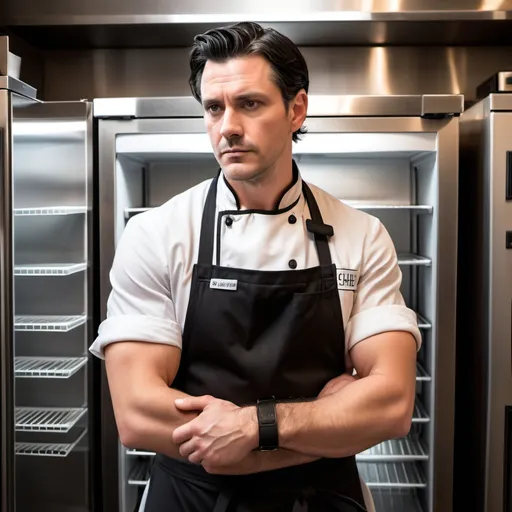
264	193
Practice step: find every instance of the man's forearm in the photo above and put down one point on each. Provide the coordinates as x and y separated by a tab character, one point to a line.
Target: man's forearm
152	419
257	462
363	414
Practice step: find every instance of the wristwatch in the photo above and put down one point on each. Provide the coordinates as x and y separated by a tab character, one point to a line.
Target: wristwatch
267	422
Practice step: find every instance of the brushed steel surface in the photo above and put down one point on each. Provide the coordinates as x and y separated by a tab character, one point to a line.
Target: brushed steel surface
499	102
4	54
7	435
117	11
73	75
12	84
319	106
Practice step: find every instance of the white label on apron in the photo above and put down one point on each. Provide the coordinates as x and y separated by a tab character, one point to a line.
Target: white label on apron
347	279
224	284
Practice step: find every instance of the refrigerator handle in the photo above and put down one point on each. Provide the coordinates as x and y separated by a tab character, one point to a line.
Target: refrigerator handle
7	434
508	184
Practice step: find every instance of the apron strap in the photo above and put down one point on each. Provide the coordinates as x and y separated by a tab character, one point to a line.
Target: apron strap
318	228
208	225
316	225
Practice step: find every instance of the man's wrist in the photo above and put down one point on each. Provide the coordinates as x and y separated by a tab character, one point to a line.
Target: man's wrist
249	418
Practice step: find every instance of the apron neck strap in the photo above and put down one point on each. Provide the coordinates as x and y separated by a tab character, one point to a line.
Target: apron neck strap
315	225
318	228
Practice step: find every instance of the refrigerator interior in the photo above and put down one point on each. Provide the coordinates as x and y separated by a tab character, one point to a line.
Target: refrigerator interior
52	199
393	176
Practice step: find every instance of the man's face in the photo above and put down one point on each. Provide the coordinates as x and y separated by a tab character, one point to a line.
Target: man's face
247	122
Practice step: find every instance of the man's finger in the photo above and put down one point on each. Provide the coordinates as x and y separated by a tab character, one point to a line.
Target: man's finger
183	434
187	448
193	403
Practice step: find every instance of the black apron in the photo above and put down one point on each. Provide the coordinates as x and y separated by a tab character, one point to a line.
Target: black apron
280	334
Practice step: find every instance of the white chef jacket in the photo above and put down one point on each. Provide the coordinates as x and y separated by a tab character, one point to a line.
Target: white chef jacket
152	269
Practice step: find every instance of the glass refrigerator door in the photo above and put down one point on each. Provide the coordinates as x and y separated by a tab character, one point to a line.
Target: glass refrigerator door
52	199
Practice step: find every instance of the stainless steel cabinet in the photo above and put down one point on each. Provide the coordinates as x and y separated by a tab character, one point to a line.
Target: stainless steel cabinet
46	302
394	157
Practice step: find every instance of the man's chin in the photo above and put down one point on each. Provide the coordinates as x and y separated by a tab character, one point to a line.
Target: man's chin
239	171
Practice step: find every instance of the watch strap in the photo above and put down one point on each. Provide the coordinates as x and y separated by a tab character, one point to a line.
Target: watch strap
267	423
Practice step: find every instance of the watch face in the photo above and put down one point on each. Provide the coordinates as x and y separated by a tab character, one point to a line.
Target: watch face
268	417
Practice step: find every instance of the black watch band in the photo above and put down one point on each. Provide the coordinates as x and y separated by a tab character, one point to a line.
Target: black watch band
267	421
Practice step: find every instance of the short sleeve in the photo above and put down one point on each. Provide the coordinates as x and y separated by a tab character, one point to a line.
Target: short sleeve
378	305
140	306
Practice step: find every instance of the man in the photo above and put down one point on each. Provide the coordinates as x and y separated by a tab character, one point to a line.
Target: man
240	308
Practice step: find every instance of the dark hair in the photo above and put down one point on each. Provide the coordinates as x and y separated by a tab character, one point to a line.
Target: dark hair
289	69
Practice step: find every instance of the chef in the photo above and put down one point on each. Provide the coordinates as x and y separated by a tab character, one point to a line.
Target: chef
256	338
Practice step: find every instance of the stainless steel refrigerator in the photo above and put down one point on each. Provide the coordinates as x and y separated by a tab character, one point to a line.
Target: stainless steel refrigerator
45	302
395	157
483	451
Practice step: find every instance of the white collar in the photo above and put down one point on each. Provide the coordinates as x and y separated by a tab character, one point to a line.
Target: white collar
227	199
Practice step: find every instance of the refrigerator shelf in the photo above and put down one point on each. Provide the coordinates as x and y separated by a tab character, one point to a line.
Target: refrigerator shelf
419	414
422	323
140	453
48	449
405	449
48	323
421	374
414	208
139	475
396	500
47	419
48	367
50	210
53	269
413	259
391	475
130	212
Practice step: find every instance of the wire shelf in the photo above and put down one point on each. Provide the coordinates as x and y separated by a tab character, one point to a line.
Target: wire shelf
391	475
421	374
406	449
422	323
53	269
48	449
48	367
396	500
139	475
414	208
47	419
420	414
50	210
130	212
413	259
140	453
48	323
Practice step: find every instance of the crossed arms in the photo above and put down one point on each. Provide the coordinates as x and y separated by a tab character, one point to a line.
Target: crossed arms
349	415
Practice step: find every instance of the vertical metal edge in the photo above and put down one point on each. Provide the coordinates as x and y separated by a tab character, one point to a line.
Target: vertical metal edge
94	405
7	445
112	491
446	286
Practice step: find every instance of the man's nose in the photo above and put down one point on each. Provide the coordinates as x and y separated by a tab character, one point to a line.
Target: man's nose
231	124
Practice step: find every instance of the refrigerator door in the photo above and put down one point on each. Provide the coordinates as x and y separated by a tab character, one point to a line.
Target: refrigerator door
400	169
47	378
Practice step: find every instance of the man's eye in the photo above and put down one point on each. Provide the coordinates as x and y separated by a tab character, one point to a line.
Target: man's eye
213	108
251	104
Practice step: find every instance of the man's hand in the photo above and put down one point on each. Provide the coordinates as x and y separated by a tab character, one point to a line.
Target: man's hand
222	435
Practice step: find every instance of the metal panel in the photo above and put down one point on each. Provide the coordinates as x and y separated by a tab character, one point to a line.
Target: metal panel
319	106
116	11
499	102
12	84
499	305
6	310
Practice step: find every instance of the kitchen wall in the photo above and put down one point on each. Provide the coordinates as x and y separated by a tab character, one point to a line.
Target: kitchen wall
334	70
